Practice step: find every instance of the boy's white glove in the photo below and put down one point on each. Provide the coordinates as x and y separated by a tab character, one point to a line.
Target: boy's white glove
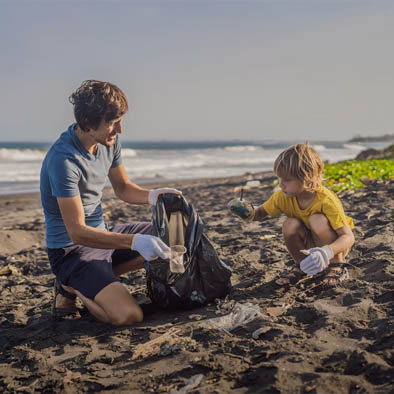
150	247
154	194
317	260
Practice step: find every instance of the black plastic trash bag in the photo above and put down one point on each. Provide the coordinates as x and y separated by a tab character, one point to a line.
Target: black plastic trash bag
206	276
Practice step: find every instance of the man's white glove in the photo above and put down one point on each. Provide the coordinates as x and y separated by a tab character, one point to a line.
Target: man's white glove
317	260
150	247
154	194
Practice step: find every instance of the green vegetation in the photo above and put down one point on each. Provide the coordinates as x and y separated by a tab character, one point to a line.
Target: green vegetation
348	175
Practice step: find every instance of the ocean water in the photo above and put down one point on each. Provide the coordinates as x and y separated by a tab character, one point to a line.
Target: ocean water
20	163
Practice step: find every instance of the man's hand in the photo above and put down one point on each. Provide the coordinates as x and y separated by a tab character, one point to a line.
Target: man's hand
150	247
317	260
154	194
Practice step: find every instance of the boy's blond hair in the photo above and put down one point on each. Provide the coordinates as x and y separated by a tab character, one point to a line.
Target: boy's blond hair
302	162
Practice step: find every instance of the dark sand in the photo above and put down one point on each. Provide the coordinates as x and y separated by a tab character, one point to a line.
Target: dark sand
314	339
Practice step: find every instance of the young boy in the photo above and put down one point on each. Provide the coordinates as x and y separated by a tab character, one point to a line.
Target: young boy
316	225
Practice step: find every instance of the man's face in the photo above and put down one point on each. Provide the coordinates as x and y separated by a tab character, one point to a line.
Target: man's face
291	186
106	133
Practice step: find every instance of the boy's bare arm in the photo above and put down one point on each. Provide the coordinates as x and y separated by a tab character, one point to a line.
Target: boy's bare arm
259	213
344	241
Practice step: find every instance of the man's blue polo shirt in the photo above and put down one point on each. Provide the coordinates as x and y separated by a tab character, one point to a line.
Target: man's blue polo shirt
70	170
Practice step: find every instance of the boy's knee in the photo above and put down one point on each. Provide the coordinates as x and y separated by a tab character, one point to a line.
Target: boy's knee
291	226
319	223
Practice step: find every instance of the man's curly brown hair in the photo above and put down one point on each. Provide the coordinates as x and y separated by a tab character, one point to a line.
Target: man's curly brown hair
95	101
302	162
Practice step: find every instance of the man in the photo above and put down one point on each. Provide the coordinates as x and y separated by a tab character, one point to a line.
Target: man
84	254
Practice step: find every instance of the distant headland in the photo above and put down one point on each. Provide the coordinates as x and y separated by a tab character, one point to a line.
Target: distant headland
381	138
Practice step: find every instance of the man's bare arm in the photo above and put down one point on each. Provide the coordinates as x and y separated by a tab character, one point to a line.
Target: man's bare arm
125	189
74	219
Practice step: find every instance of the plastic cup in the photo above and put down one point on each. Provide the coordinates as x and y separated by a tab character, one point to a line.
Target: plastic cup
176	259
241	208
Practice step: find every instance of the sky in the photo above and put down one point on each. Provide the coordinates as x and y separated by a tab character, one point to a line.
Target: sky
202	70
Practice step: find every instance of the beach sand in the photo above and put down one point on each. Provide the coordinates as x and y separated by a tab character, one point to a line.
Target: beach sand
312	339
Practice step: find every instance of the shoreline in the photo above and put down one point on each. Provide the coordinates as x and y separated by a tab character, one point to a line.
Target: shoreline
148	184
204	164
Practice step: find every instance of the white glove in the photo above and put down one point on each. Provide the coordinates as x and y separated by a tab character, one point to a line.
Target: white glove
150	247
317	260
154	194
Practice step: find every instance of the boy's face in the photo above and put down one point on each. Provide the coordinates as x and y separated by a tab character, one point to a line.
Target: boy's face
291	186
106	133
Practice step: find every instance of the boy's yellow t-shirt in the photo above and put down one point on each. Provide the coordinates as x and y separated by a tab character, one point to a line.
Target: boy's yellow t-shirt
325	202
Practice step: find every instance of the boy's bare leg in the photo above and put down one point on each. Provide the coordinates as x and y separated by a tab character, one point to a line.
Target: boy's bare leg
323	234
295	235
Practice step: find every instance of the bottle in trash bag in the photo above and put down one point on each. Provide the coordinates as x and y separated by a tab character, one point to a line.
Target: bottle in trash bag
176	259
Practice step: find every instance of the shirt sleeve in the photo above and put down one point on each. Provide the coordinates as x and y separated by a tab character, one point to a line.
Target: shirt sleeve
117	160
272	205
64	177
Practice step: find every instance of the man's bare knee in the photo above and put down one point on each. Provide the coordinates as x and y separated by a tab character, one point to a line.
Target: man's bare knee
132	316
291	226
119	305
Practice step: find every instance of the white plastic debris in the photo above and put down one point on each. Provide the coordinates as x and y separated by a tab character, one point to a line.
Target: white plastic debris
253	183
190	384
260	331
239	315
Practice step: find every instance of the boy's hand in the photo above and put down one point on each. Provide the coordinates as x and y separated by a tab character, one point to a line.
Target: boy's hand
317	260
150	247
249	218
243	209
154	194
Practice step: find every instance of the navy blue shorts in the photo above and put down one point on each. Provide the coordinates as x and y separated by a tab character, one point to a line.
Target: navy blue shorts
89	270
